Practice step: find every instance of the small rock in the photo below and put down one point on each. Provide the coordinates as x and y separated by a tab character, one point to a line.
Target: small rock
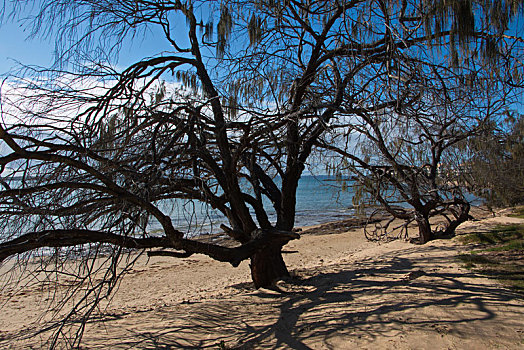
415	274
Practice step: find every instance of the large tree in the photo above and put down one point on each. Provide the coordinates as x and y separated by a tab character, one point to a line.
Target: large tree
409	156
95	155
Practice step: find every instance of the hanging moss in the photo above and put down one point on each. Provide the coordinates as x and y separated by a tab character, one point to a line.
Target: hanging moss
490	49
225	24
255	29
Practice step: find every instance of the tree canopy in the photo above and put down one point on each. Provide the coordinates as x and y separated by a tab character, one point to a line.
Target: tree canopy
240	99
502	145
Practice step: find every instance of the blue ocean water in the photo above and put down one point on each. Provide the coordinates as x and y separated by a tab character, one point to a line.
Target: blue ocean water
320	199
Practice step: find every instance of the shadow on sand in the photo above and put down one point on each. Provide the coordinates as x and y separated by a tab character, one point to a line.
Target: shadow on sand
410	291
357	301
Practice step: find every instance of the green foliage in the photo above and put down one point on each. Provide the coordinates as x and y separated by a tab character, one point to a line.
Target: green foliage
516	244
500	234
473	259
497	162
294	78
518	212
496	259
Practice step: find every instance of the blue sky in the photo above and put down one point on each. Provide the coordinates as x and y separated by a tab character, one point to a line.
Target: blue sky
16	46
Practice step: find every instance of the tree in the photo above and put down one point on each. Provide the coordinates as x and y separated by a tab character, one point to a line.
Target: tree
95	154
403	146
408	158
497	162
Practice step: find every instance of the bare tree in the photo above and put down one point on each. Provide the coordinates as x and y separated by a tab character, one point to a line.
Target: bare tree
403	146
408	158
94	156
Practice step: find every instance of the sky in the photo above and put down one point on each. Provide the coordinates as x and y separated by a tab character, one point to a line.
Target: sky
16	46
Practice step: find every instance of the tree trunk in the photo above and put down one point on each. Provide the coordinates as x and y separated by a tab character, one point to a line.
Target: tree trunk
268	266
460	217
424	229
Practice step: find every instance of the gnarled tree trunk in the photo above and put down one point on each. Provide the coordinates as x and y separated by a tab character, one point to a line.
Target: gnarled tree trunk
268	266
461	215
424	229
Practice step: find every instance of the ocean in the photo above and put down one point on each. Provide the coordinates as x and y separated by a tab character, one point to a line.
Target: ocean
320	199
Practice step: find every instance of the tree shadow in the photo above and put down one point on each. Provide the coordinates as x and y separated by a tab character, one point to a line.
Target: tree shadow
365	299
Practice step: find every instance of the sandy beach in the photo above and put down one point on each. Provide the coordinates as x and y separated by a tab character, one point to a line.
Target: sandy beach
346	293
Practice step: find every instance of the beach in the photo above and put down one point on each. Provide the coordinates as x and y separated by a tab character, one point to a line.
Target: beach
345	293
